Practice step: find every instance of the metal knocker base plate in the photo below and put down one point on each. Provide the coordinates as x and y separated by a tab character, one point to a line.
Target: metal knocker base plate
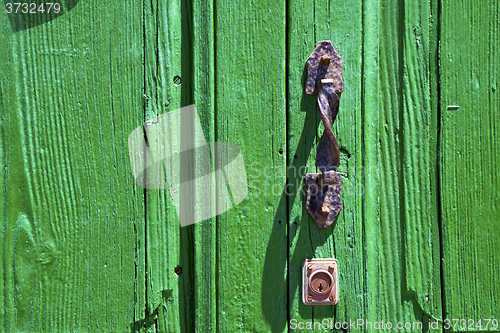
323	197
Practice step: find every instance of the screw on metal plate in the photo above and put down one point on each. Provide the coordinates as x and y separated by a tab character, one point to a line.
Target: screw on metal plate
319	282
324	79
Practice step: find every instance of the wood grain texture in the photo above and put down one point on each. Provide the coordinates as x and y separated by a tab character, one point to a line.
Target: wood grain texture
166	56
251	112
369	153
344	239
205	233
386	298
86	249
3	200
469	58
180	45
418	119
73	219
377	237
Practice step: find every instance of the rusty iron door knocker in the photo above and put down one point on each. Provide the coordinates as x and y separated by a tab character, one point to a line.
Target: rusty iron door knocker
324	79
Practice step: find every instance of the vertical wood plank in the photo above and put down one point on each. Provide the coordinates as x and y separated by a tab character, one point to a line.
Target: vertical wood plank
163	60
179	57
375	238
370	154
420	225
340	23
469	160
251	112
388	292
73	218
205	233
4	312
3	201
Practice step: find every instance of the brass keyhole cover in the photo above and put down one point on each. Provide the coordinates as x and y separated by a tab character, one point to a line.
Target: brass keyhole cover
321	282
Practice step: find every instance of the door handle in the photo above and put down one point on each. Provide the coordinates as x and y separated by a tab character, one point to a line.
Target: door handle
324	78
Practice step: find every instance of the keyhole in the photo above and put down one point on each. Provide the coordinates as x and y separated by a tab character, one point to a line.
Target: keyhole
321	282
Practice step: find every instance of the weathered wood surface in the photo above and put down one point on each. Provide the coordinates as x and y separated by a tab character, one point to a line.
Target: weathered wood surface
469	160
86	249
417	137
72	218
250	111
344	240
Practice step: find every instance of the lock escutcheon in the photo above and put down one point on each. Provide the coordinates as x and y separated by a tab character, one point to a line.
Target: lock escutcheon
320	283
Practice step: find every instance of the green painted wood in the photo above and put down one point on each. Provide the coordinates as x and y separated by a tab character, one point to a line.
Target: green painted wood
179	44
250	111
73	220
392	302
405	290
418	140
469	59
403	274
344	240
385	271
86	249
205	233
164	52
368	125
386	294
3	199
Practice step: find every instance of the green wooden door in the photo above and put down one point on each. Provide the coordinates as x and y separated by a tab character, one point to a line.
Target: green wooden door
85	249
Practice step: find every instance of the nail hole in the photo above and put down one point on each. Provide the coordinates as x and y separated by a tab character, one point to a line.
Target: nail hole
177	80
281	151
279	221
295	156
178	270
295	222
